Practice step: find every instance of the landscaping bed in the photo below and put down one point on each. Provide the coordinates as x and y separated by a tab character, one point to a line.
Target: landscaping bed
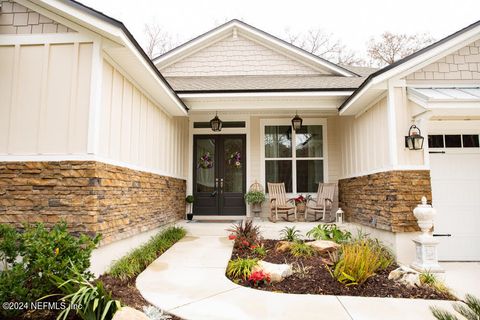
318	280
327	261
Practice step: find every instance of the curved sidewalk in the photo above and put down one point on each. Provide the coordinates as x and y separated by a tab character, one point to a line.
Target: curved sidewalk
189	281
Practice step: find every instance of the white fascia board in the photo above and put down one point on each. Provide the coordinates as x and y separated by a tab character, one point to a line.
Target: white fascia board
233	95
419	62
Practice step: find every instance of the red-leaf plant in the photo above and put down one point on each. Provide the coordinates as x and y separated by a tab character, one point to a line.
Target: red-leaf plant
259	278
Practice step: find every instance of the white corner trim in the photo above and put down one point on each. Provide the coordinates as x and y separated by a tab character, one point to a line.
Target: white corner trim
95	107
392	126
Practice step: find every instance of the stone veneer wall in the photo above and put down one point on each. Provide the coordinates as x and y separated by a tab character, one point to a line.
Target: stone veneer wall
385	200
92	197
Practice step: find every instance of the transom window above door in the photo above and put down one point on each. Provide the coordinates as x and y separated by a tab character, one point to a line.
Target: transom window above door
294	157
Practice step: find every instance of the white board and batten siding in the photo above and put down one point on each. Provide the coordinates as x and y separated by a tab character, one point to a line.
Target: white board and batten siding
136	131
364	142
45	93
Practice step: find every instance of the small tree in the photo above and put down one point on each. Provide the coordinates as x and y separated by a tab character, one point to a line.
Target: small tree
158	41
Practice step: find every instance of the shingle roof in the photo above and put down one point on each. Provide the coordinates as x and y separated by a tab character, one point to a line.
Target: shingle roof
263	83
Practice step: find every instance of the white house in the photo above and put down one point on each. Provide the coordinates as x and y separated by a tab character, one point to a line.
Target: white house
94	132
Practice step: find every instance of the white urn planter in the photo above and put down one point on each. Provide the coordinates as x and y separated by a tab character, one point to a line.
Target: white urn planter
426	258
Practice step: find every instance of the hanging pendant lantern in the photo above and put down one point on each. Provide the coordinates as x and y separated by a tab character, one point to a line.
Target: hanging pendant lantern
297	122
216	123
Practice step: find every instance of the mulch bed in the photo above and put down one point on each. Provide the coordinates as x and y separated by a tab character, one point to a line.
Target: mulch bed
126	292
318	280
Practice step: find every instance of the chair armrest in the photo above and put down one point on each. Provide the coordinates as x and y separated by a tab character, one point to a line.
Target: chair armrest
291	199
314	200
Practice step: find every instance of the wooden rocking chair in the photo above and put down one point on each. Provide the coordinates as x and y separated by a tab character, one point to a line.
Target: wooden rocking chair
279	202
323	203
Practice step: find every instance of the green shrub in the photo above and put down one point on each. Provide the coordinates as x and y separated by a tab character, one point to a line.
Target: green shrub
132	264
96	301
241	268
360	260
35	255
430	279
290	234
329	232
301	249
254	197
469	309
260	250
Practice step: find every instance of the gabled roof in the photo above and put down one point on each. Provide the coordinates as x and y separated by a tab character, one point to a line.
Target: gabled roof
235	25
412	61
114	30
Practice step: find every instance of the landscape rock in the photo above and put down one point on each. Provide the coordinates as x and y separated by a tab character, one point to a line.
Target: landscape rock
323	246
277	272
283	246
128	313
405	275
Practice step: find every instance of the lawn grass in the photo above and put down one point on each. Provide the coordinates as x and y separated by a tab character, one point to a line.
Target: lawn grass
132	264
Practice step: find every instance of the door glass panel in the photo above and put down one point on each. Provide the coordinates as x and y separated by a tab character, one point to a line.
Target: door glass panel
234	160
309	142
279	171
309	174
278	141
205	165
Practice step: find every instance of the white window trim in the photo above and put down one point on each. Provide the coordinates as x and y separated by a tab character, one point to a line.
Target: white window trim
287	121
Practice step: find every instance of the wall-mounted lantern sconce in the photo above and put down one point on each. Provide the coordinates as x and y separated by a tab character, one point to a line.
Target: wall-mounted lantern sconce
414	140
216	123
297	122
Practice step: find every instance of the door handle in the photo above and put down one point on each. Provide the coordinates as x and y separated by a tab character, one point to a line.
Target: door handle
221	185
213	193
442	235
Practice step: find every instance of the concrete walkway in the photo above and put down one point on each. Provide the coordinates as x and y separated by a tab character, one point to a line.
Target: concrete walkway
189	281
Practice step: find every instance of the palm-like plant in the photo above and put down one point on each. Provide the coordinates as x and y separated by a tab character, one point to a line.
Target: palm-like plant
245	230
290	234
469	309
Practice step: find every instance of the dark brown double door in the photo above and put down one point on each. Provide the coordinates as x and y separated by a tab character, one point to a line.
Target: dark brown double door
219	174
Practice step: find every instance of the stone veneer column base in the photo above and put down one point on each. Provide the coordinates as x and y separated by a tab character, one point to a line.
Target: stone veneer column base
385	200
92	197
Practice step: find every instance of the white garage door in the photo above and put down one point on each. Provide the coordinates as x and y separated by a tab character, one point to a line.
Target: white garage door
456	197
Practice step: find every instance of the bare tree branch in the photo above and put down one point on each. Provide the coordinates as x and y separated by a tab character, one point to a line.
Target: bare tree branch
324	45
391	47
158	41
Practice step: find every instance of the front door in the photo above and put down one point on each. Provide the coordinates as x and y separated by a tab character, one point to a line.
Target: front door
219	174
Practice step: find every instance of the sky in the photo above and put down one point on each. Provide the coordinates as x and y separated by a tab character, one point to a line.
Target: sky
353	22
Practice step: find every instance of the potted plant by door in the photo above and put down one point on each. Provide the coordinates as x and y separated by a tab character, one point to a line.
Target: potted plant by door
189	199
255	199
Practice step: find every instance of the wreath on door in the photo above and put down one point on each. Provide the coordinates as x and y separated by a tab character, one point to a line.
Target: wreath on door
205	161
235	160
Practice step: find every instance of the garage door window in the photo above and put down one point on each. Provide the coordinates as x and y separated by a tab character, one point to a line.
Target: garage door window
453	141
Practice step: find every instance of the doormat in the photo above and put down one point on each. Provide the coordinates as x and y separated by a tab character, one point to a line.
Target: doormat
215	221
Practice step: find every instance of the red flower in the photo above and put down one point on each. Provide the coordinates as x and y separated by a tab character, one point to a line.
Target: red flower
253	246
258	278
232	237
245	243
